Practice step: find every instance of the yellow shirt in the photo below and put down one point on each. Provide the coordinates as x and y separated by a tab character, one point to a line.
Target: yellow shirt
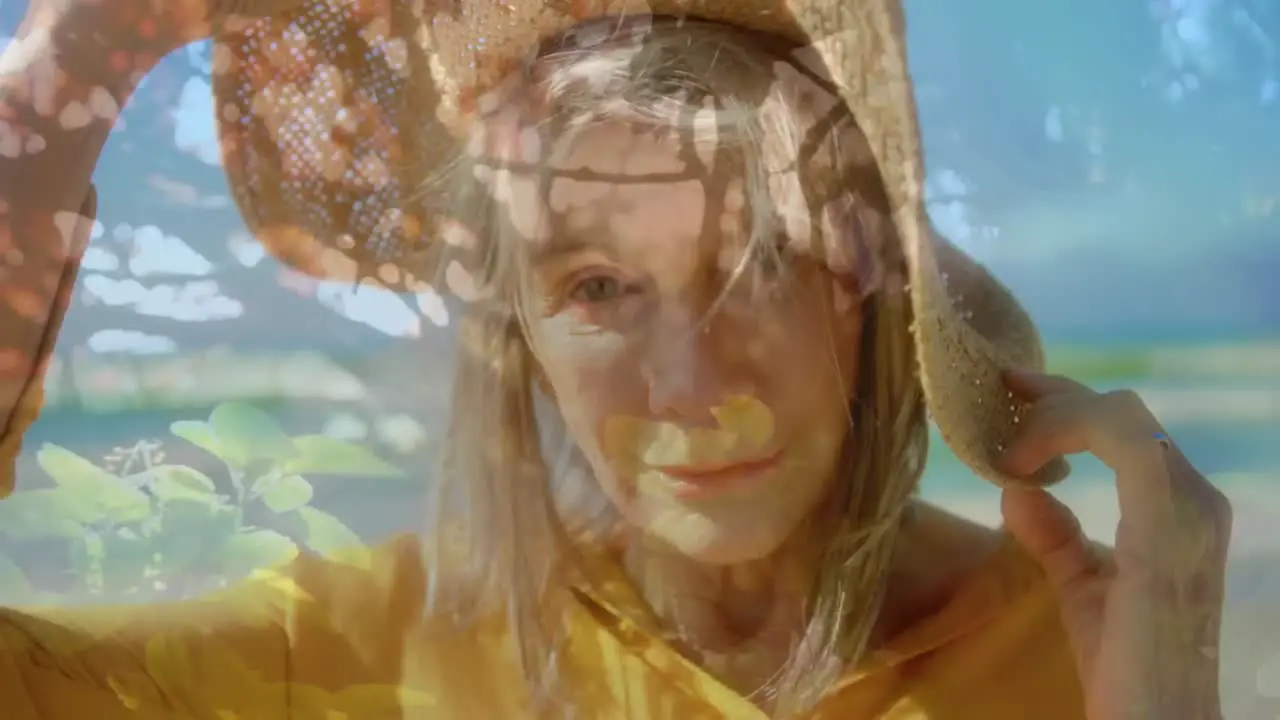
329	640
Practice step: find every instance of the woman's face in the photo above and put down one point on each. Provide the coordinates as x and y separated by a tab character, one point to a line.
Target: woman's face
711	411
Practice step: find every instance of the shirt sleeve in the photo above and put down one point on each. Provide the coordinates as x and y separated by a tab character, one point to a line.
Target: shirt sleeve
318	638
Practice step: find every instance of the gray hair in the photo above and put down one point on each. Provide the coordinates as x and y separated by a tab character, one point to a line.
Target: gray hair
501	527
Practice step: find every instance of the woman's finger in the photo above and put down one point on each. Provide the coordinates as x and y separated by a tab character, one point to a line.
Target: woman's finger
1053	427
1115	426
1050	533
1160	494
1034	386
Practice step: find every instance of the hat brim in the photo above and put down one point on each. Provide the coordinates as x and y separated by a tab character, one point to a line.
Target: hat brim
330	121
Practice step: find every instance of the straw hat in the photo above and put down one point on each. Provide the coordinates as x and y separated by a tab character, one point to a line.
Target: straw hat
333	111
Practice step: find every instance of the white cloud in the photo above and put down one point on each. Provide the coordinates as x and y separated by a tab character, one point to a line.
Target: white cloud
1053	130
948	183
99	260
951	218
196	301
157	253
246	250
130	341
193	122
380	309
196	53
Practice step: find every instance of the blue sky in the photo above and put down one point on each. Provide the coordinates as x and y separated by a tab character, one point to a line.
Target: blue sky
194	134
1058	231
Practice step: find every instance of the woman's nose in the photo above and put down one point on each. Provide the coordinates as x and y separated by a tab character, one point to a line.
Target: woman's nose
689	369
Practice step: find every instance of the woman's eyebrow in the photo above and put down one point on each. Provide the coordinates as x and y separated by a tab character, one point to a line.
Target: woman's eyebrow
560	247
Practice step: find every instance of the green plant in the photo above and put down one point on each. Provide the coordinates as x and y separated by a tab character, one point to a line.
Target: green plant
136	526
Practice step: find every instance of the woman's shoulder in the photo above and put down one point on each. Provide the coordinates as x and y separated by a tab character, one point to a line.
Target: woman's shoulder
977	587
992	636
963	548
940	553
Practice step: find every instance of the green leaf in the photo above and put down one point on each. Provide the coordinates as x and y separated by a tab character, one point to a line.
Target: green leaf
85	557
47	514
14	582
192	529
327	534
283	494
130	510
200	434
125	558
178	481
70	470
249	434
119	502
254	550
323	455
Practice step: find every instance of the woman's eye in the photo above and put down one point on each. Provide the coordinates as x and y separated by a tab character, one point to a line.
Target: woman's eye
597	289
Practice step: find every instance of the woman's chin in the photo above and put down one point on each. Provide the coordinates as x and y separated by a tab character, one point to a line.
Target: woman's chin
712	541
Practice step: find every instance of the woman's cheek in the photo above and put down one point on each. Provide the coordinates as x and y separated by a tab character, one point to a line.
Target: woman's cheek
581	363
570	341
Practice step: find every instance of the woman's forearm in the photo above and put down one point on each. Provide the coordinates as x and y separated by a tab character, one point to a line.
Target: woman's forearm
62	83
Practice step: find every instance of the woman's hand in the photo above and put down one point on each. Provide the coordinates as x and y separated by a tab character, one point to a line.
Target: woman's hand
135	27
1144	623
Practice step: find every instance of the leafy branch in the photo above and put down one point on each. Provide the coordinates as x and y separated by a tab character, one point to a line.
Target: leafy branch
138	527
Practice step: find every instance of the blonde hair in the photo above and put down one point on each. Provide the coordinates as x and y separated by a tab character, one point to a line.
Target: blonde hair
501	531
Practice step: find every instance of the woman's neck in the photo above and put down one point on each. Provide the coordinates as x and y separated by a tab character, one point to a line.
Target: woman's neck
738	621
741	622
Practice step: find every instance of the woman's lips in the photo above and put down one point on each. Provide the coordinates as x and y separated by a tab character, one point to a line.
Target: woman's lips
691	481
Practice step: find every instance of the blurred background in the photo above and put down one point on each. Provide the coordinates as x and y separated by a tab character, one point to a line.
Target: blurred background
1116	163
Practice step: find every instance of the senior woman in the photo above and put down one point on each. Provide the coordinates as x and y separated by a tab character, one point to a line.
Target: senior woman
705	320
